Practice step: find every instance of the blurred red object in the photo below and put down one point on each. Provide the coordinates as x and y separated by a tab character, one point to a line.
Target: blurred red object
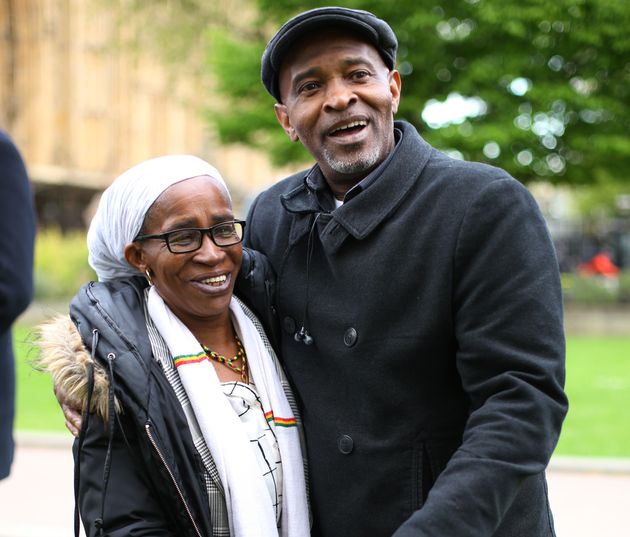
600	265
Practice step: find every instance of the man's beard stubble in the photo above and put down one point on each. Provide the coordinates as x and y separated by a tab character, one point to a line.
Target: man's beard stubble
351	164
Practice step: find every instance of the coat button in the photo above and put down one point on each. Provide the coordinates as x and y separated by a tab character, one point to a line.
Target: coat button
289	325
345	444
350	337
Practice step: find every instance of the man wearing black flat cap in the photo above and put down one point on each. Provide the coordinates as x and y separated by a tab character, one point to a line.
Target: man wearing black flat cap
419	303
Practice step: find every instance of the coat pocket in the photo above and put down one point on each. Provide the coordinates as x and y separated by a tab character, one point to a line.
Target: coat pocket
422	476
429	460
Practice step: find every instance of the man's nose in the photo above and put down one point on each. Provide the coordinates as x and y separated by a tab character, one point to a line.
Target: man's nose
339	95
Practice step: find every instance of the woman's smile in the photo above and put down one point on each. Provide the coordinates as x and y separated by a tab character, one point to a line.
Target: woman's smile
215	284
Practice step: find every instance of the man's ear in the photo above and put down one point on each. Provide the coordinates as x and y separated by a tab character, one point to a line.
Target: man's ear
135	256
395	85
283	118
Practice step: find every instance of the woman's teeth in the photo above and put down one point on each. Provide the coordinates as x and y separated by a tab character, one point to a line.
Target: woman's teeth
215	280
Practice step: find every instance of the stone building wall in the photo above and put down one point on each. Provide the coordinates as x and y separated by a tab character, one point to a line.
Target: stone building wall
82	107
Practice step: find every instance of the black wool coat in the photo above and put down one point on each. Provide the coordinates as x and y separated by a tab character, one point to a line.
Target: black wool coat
17	238
432	390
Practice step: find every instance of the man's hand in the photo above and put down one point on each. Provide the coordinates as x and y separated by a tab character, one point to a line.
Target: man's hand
72	415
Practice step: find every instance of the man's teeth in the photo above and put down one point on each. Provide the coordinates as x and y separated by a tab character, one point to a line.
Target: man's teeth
215	280
350	126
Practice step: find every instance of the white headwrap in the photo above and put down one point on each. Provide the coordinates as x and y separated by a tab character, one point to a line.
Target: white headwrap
125	203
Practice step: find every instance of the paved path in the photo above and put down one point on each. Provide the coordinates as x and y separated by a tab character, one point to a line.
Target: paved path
37	499
589	498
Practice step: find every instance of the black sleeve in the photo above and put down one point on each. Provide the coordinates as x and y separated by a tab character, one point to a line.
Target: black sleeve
17	235
255	285
131	505
511	359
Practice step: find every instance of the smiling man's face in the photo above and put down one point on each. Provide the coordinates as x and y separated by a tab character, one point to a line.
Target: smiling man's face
339	99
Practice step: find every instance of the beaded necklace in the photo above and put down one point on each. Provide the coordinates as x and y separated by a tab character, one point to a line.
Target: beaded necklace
232	362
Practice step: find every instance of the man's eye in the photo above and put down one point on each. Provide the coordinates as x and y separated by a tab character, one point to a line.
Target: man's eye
309	86
358	75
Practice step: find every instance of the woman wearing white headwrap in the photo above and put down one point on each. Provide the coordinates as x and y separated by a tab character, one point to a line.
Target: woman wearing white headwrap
201	436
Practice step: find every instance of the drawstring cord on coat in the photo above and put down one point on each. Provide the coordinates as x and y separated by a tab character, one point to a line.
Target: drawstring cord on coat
111	412
302	334
84	425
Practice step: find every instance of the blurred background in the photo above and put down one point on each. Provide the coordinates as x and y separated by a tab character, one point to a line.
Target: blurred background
541	89
91	87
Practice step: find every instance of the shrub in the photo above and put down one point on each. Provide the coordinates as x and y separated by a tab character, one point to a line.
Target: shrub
61	265
596	290
624	287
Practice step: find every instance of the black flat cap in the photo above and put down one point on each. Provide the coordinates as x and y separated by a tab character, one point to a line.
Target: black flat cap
376	31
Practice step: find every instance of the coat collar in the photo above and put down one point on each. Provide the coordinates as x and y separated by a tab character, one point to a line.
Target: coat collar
363	213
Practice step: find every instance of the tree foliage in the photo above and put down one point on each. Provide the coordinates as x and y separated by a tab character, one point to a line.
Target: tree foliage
551	82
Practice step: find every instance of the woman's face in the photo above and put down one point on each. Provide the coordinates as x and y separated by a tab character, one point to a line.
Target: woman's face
197	286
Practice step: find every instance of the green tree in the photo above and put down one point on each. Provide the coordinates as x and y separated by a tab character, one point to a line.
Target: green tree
544	85
547	83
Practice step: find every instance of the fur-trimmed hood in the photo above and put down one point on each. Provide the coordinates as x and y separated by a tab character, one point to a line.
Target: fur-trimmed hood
63	355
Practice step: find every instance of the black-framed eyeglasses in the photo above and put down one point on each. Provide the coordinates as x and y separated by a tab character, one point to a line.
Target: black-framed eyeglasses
183	241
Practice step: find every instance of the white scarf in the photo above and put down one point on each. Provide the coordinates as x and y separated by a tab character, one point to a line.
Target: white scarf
250	512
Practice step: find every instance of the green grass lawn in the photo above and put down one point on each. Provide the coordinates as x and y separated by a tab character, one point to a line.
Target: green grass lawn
598	386
36	406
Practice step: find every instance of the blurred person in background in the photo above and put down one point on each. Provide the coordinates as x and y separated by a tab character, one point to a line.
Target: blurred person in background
17	240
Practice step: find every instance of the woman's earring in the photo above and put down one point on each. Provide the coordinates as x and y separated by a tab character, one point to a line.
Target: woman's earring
148	275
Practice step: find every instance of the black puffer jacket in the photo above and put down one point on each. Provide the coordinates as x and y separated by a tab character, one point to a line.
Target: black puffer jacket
137	472
157	481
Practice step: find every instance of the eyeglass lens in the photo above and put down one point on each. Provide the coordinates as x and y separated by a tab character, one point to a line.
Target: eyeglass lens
186	240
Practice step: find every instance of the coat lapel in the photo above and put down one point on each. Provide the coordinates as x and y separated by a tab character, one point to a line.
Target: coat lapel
366	211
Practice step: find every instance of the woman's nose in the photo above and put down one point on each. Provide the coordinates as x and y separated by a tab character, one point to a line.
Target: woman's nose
209	251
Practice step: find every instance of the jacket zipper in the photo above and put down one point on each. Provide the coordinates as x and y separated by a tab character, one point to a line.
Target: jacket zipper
147	427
